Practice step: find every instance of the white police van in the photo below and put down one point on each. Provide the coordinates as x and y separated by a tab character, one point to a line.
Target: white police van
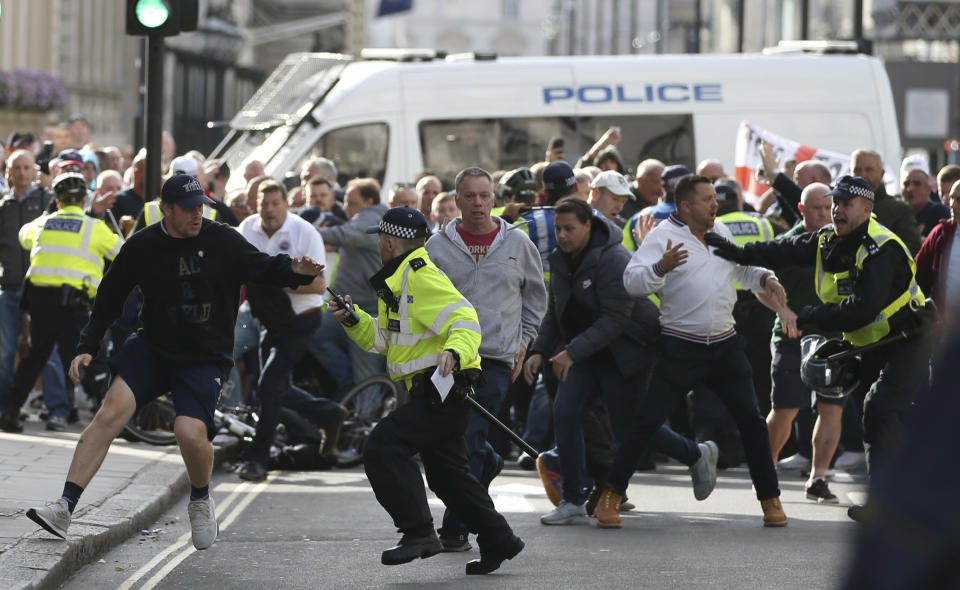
392	113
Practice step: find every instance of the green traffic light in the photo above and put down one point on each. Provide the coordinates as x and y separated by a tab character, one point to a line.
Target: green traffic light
152	13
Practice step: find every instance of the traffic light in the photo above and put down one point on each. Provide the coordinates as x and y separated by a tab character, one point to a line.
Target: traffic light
161	18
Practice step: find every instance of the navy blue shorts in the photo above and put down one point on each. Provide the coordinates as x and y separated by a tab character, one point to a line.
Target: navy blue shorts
788	390
195	389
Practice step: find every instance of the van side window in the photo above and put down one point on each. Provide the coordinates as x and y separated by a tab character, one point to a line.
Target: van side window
359	151
504	144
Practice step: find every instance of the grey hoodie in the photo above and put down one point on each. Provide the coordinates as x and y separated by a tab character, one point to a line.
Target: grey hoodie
359	256
506	287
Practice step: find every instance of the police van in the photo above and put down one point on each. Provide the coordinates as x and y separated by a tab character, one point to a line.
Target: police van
391	113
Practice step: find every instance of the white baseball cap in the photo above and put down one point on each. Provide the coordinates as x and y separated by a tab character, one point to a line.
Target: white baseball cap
914	162
613	181
185	165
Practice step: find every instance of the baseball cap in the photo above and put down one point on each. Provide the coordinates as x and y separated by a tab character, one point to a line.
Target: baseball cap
613	181
17	139
672	174
184	190
71	155
725	192
849	187
402	222
558	179
914	162
185	165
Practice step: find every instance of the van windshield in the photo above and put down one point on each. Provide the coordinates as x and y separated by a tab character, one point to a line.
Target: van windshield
450	145
359	151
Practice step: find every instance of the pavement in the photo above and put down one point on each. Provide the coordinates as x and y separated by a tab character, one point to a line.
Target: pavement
136	483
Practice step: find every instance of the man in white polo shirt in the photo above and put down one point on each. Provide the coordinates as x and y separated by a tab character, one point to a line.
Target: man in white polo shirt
290	316
698	342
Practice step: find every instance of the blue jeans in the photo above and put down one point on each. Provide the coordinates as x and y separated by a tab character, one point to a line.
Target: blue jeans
585	381
481	458
54	385
721	366
329	346
539	415
246	337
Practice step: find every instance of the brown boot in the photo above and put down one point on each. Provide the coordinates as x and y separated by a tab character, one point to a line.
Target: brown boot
773	514
608	509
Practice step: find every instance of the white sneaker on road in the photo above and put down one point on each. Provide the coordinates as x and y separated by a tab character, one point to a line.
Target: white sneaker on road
565	513
53	517
704	471
203	522
850	460
794	463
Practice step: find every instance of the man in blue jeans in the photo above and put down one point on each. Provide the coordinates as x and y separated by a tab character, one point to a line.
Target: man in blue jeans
498	270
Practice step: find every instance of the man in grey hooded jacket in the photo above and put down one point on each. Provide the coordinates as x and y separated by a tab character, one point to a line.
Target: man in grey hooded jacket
498	270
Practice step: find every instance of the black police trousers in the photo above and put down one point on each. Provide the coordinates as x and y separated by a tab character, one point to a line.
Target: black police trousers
50	324
898	372
435	431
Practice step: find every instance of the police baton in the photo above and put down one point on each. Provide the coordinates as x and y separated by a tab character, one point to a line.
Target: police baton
502	427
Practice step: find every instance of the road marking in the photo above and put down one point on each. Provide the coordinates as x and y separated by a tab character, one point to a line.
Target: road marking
185	538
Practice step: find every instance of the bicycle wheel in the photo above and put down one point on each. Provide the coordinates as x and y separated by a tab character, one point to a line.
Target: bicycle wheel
153	423
367	403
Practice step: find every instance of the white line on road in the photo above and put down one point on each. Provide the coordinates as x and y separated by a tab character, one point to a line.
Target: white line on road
184	539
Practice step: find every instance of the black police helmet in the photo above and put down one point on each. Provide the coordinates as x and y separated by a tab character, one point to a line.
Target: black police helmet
828	378
520	185
70	187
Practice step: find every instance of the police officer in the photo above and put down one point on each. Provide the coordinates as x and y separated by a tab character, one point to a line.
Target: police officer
424	326
67	249
865	277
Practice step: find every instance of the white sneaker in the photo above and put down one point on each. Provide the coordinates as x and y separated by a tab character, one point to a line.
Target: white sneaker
850	460
203	522
53	517
704	471
794	463
565	513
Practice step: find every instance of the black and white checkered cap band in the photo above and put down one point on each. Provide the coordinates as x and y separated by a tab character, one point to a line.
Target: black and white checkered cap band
399	231
859	191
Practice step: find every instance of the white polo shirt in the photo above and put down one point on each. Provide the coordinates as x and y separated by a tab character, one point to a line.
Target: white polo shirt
696	298
295	238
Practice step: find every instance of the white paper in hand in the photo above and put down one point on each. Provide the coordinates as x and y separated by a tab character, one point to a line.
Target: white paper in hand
443	384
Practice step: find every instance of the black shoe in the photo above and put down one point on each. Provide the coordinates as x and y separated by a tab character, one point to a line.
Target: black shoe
73	417
862	513
455	543
410	548
252	471
10	424
491	560
332	433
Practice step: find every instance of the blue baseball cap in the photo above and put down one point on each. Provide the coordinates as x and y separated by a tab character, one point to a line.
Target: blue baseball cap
558	179
402	222
849	187
184	190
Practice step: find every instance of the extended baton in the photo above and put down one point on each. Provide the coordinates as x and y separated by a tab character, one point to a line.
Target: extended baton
503	427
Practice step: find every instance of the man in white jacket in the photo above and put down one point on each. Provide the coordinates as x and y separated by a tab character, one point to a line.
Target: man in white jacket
698	341
497	268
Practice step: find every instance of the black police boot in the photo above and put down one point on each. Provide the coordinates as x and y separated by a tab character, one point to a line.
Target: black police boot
410	548
491	559
252	471
10	423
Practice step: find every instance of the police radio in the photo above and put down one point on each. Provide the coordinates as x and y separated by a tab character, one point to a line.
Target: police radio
351	318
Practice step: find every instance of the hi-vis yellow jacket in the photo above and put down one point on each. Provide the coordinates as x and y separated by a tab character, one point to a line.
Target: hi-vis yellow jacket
68	248
425	316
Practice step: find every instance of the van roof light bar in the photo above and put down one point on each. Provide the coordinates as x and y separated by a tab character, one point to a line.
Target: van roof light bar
813	47
399	54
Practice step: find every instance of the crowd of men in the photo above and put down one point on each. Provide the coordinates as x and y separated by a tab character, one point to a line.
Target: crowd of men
586	280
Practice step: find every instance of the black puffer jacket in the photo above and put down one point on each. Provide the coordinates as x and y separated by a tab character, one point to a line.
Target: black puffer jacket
627	327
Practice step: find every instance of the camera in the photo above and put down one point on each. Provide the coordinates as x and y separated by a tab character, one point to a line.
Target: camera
44	157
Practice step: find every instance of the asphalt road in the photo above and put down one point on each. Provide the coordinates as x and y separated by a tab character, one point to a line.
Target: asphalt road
326	530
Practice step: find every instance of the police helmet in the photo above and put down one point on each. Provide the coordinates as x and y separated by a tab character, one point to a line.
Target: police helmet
70	187
520	185
828	378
